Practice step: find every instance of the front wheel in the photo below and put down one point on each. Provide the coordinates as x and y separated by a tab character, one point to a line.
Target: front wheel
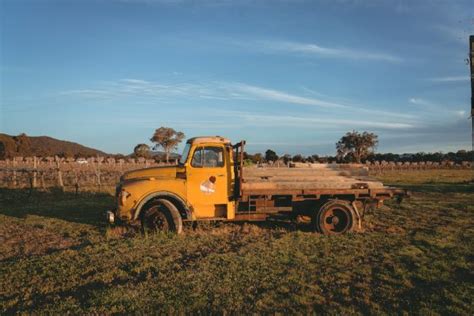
161	215
335	217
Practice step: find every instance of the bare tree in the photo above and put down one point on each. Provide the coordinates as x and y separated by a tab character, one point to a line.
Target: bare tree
142	150
355	146
166	138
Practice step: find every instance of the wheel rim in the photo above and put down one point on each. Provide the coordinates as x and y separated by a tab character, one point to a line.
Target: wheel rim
336	220
156	220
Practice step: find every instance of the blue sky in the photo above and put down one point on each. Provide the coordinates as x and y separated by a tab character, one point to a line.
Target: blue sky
293	76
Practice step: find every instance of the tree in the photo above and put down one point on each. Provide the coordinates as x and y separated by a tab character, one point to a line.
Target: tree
315	158
142	150
298	158
23	144
286	158
257	158
3	151
166	138
355	146
270	155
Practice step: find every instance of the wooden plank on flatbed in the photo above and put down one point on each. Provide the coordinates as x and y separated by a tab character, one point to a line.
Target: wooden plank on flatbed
385	192
312	185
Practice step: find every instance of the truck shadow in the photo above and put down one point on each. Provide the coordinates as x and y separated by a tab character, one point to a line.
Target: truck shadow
83	207
248	227
89	208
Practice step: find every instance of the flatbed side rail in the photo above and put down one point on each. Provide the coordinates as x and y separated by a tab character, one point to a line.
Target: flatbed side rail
317	193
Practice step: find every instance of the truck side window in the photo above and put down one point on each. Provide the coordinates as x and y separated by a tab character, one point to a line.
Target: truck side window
208	157
197	158
213	157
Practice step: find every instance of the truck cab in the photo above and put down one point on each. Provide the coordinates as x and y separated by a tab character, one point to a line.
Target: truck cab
200	187
208	167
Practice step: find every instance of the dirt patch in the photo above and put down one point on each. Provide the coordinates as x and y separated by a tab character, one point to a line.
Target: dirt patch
24	240
117	232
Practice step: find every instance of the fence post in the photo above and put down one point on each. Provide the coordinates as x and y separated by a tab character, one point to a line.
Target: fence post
76	180
14	183
60	175
43	184
97	171
35	172
30	178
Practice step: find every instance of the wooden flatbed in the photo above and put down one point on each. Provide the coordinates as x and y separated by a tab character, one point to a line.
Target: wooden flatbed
309	189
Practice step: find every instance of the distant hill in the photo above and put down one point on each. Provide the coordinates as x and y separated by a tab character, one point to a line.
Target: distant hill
42	146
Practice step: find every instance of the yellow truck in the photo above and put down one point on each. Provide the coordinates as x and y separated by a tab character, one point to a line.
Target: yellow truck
211	183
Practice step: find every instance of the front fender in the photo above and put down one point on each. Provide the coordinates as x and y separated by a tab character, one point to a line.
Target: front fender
182	207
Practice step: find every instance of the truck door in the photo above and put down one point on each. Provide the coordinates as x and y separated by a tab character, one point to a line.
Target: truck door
207	182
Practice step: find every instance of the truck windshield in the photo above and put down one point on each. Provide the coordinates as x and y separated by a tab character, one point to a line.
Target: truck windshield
185	154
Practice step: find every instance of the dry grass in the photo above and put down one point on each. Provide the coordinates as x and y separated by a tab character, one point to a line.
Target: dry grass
57	256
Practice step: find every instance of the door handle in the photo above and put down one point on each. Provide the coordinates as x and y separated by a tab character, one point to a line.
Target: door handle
220	175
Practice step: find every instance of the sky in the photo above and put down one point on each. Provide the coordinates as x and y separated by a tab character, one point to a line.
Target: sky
292	76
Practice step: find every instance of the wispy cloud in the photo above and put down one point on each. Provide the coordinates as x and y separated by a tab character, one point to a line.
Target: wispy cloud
336	123
90	93
420	101
280	96
450	79
313	49
205	90
435	108
139	91
228	119
219	90
313	122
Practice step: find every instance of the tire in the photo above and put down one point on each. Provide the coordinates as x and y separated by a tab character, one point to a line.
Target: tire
161	215
334	218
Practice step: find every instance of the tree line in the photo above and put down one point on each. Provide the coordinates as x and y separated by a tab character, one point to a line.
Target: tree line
353	147
271	156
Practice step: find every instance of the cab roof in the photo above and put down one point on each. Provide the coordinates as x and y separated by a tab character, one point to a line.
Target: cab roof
208	139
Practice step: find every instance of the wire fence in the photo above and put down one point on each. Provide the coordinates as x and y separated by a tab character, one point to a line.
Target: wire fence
102	174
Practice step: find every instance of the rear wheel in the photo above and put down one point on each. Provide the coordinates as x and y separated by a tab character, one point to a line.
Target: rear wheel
161	215
334	217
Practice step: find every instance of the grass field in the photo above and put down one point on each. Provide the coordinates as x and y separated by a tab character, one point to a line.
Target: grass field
57	256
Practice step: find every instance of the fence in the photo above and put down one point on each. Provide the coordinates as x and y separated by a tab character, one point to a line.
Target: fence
97	174
93	174
379	167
